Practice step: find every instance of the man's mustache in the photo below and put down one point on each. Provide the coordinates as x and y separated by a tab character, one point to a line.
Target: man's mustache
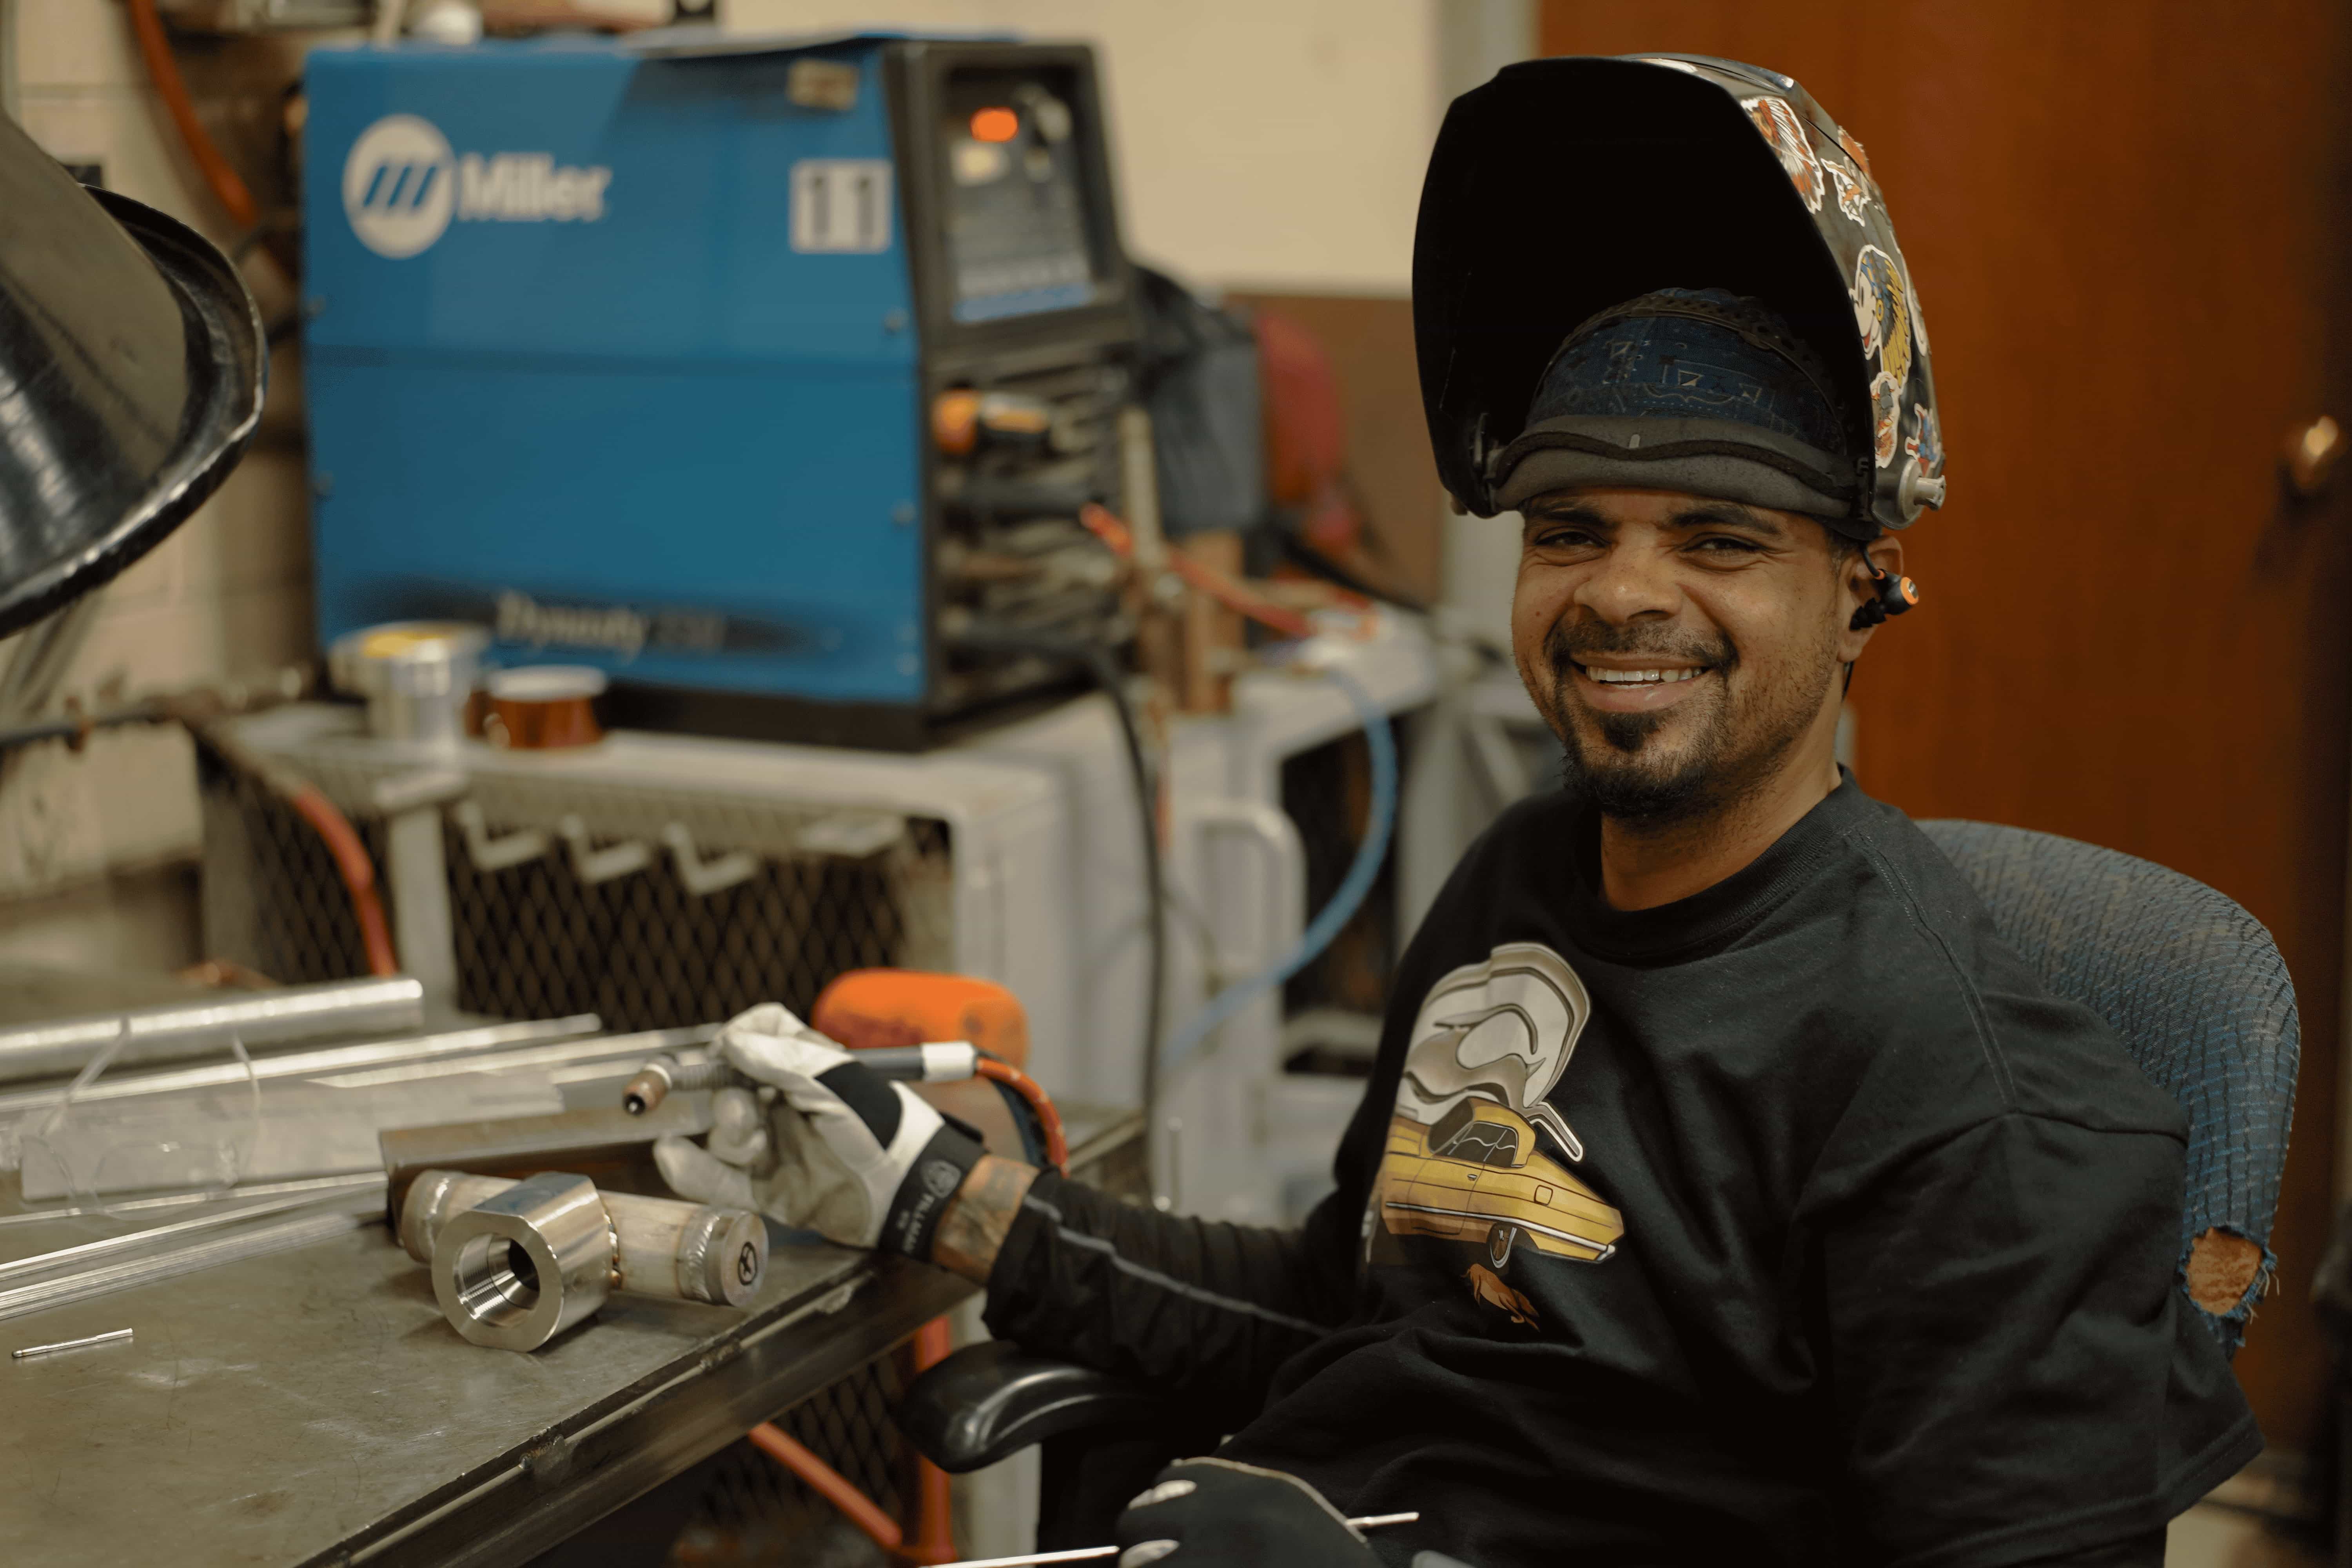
1565	644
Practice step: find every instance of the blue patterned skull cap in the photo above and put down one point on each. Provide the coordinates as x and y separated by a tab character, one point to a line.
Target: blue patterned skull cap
1699	391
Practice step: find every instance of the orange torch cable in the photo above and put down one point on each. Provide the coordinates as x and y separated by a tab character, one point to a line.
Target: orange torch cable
1049	1120
1104	525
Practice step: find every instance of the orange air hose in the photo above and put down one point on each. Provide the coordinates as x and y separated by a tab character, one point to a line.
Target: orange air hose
827	1483
342	841
357	872
155	49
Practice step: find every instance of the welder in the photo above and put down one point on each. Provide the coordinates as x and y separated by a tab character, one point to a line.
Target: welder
1726	1191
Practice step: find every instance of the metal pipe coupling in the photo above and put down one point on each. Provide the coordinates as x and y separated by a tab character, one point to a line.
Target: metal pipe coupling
516	1263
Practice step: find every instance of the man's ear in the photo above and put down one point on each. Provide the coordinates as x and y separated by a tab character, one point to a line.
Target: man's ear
1884	553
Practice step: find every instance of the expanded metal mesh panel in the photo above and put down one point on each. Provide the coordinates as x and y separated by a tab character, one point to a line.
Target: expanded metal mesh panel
753	1511
643	952
535	939
272	898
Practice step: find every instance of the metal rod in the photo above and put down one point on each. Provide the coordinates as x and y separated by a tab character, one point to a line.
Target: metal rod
298	1230
608	1050
177	1030
105	1339
138	1240
1095	1554
311	1064
318	1186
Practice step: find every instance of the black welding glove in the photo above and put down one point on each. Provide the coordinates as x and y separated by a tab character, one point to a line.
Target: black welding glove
1214	1513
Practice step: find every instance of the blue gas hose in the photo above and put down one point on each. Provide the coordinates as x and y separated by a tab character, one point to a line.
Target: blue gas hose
1334	915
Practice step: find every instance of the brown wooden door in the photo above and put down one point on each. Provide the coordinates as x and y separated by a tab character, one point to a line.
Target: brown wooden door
2121	219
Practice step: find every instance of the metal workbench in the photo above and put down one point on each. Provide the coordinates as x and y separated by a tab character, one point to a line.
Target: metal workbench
312	1406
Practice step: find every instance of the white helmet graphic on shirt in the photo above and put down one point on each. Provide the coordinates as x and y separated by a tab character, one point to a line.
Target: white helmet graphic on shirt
1501	1030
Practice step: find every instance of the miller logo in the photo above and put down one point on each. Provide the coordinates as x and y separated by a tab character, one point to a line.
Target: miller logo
403	185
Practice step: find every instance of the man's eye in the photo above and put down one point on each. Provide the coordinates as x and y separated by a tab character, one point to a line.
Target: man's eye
1722	544
1563	538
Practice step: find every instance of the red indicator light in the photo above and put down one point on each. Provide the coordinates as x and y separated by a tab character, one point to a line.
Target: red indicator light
996	125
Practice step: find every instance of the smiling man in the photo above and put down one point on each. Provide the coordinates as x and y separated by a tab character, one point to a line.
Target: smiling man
1685	614
1724	1190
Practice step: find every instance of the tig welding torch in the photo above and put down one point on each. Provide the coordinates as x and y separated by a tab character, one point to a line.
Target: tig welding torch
950	1061
663	1076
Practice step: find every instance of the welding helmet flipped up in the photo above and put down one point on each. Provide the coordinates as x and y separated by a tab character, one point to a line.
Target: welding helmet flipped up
1564	188
132	361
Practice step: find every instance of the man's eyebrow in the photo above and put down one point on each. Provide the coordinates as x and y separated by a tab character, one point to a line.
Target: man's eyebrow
1726	515
1565	512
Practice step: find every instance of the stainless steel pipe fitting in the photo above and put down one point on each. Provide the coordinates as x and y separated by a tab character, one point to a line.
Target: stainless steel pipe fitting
516	1263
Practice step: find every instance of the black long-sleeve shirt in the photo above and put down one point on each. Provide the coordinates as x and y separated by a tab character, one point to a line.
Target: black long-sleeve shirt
1794	1220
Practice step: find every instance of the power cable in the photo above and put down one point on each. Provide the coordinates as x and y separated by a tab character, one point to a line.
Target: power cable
1096	663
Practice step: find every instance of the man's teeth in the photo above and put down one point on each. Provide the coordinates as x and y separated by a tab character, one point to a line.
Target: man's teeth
1637	677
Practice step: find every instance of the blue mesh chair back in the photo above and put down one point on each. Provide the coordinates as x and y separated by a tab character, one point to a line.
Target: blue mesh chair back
2191	982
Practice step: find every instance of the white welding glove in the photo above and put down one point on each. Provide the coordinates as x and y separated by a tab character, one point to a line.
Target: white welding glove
832	1146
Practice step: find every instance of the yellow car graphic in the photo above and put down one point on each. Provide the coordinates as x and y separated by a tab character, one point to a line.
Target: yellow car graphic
1475	1175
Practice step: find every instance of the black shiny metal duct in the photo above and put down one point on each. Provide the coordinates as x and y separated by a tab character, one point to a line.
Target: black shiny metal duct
132	361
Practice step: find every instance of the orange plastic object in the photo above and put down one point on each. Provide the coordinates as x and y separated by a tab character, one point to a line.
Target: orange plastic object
955	421
866	1008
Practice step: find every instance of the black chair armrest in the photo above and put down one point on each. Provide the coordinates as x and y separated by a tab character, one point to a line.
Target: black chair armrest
990	1401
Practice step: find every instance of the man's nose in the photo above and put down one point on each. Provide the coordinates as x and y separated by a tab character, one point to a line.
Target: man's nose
1627	583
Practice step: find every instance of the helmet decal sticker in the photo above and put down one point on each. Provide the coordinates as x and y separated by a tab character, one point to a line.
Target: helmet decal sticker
1925	441
1885	415
1477	1169
1911	292
1853	192
1882	312
1785	131
1852	145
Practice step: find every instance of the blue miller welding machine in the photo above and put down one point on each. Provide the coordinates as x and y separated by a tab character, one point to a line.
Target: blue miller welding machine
669	363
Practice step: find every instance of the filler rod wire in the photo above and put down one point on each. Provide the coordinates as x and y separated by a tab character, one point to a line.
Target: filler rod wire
1096	1553
106	1339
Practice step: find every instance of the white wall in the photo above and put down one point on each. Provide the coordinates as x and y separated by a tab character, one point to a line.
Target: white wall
226	595
1265	144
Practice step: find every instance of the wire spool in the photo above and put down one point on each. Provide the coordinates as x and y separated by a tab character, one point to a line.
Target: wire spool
544	707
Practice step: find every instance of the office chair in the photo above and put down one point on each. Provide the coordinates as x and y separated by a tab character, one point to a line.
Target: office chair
2191	984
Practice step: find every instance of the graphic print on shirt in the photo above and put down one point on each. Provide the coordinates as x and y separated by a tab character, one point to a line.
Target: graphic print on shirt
1475	1148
